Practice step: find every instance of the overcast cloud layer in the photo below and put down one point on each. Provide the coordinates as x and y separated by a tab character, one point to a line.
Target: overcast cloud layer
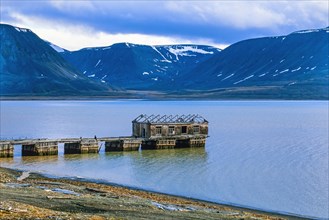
77	24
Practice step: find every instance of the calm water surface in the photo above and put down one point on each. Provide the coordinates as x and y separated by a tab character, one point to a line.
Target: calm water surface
269	155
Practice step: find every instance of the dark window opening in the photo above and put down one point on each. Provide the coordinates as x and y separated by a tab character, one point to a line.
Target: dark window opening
184	129
158	130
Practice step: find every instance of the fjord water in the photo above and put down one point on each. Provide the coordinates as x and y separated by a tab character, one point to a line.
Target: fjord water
269	155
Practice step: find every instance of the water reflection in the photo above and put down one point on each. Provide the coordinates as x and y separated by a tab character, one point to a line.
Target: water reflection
269	155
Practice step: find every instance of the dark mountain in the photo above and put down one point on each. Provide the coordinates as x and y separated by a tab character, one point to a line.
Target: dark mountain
140	67
284	67
292	66
29	66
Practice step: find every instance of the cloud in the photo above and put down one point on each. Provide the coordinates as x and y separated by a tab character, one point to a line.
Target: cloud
74	37
253	14
156	22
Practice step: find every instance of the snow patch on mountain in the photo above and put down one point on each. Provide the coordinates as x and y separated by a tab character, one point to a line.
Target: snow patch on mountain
183	51
307	31
283	71
296	69
228	77
164	58
21	29
57	48
248	77
97	63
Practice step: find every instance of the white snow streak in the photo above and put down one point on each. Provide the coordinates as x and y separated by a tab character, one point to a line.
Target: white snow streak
306	31
145	73
283	71
57	48
248	77
313	67
97	63
93	75
228	77
291	83
282	60
21	29
164	58
296	69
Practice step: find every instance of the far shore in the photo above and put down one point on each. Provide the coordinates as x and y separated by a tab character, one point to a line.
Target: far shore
25	195
164	98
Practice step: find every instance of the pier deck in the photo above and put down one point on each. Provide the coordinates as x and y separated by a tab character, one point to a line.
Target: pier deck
44	146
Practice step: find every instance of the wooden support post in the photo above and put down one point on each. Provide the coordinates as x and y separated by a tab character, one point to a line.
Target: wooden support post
183	143
122	145
72	148
85	146
191	142
89	146
149	145
6	149
40	148
163	143
197	142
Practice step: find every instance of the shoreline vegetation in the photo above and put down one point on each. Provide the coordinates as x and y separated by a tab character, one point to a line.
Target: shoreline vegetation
25	195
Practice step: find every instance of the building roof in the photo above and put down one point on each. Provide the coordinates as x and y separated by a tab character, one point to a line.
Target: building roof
174	119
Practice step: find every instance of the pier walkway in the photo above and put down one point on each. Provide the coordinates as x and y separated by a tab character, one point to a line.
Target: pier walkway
44	146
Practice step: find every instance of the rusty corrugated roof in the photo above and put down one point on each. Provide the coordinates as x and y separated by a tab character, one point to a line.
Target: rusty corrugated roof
162	119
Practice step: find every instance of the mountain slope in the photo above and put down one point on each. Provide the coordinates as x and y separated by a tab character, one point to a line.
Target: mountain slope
30	66
139	67
295	65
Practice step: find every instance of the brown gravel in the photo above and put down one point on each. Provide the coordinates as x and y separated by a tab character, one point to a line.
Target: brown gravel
38	197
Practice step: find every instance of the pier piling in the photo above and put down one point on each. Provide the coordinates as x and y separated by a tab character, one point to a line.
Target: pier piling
6	149
122	145
40	148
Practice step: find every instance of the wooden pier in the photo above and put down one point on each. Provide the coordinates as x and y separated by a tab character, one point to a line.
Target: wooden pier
44	147
149	132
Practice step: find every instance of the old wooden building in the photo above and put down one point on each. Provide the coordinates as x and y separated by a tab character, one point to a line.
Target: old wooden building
155	126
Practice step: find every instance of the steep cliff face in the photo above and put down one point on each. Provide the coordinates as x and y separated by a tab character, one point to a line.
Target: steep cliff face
28	65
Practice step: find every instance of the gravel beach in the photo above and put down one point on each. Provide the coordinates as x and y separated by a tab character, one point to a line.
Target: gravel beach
25	195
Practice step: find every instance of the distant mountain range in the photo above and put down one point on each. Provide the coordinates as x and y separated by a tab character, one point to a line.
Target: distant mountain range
292	66
284	67
140	67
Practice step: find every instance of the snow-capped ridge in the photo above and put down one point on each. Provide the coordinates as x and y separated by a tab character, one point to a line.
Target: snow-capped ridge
183	50
311	31
22	29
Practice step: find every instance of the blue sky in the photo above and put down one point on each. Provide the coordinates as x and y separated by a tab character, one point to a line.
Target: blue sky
77	24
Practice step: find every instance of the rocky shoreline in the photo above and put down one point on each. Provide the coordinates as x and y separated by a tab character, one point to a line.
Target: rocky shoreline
25	195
